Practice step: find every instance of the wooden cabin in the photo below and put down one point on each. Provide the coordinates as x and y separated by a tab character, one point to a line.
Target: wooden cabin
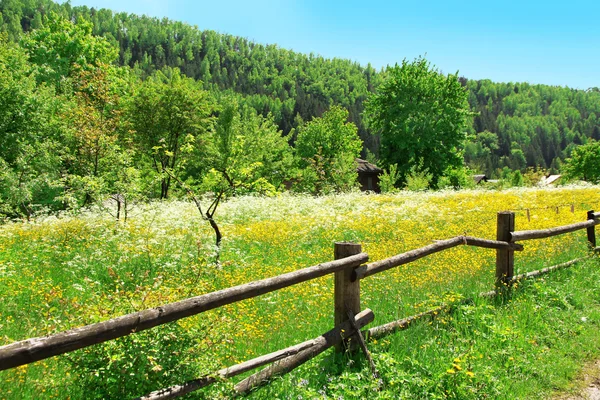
368	175
480	178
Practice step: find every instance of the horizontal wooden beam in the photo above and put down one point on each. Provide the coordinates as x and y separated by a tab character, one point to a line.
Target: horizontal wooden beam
440	245
195	384
544	271
394	326
492	244
35	349
405	258
344	330
546	233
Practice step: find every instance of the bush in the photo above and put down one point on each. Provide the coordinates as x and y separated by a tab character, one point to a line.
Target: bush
457	178
388	180
136	364
418	180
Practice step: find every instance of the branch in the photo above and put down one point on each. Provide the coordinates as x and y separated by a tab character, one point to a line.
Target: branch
188	190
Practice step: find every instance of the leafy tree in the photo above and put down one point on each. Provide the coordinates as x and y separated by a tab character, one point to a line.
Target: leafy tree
61	47
30	154
418	179
245	153
584	162
387	180
94	120
248	151
326	150
422	118
169	113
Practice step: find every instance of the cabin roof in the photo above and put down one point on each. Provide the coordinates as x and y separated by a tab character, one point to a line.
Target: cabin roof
479	178
551	179
365	166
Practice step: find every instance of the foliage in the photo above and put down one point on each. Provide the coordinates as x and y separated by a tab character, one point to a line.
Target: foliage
94	121
534	125
326	150
61	47
457	178
418	179
584	162
29	144
169	114
517	125
422	118
388	180
247	151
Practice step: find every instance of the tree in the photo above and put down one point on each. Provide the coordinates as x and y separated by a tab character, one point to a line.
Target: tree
245	152
30	154
422	118
248	150
584	162
62	47
168	114
326	150
94	120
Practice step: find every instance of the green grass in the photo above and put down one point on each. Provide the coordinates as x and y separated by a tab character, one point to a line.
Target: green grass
59	273
525	346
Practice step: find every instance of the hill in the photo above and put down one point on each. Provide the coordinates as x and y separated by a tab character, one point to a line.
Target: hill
518	125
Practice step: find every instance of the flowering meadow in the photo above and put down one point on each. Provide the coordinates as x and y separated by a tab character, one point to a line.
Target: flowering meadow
61	272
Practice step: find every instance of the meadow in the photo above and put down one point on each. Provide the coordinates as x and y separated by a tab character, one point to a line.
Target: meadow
60	272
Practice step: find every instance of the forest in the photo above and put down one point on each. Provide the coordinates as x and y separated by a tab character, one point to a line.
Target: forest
95	103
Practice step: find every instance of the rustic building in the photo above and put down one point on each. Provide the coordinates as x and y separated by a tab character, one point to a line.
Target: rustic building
550	180
368	175
480	178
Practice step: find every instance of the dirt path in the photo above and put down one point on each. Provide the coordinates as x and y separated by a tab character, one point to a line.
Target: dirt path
590	384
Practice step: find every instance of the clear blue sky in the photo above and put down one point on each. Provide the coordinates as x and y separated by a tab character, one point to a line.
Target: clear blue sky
550	42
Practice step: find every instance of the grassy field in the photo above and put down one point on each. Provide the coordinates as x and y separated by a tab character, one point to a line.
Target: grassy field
60	273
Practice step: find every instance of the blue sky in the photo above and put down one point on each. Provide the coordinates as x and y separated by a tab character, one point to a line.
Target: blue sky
550	42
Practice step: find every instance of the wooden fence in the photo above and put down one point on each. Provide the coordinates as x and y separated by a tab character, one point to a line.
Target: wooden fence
349	268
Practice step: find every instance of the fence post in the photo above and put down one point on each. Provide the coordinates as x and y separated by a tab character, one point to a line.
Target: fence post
346	292
591	231
505	258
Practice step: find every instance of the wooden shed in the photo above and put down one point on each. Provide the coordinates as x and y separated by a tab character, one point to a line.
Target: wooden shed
368	175
480	178
550	180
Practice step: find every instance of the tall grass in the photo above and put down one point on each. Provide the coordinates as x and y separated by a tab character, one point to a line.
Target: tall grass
61	272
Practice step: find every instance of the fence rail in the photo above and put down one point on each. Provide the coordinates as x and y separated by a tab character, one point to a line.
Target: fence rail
349	268
36	349
546	233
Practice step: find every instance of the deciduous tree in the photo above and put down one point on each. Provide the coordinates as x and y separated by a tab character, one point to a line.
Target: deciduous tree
326	150
422	117
584	162
169	113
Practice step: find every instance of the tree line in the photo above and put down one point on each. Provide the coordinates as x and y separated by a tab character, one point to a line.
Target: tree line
94	103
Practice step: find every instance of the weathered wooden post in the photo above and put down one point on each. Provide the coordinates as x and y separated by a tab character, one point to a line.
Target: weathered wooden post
591	231
505	258
346	292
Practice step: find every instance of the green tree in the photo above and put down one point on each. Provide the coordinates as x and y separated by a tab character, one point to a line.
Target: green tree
62	47
30	150
584	162
245	153
94	121
422	118
248	150
169	113
326	150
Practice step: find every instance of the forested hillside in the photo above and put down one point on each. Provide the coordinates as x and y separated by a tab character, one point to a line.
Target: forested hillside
517	125
287	84
94	103
521	125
